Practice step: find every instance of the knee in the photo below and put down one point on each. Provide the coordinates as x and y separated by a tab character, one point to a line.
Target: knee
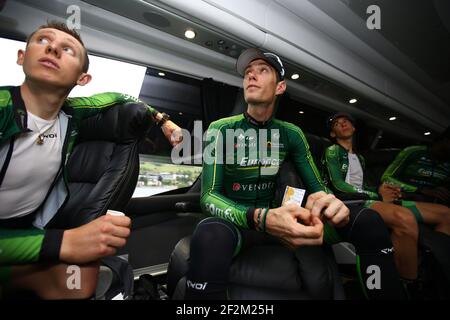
213	232
88	284
79	283
74	282
369	231
447	216
370	223
406	224
444	225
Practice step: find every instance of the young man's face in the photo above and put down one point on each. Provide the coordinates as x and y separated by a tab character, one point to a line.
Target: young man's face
342	128
54	57
261	84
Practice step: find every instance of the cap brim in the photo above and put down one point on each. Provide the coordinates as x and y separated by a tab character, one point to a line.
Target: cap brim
246	57
346	115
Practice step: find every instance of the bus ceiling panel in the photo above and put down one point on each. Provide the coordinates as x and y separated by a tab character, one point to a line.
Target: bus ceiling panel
151	56
349	30
384	96
220	15
322	54
168	22
417	40
381	76
17	20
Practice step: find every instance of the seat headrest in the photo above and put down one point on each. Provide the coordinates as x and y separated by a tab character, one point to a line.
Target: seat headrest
121	123
382	157
317	146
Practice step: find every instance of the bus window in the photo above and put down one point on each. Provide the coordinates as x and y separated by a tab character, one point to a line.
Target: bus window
180	98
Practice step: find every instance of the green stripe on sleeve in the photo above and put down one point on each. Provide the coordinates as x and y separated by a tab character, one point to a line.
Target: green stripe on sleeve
20	246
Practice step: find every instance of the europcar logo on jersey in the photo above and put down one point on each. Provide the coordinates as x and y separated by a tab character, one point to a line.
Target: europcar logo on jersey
425	173
266	162
128	97
236	186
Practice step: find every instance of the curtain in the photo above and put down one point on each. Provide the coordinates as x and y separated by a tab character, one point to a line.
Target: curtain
218	100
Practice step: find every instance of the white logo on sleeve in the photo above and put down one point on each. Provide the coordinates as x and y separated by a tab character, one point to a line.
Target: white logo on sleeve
74	280
374	281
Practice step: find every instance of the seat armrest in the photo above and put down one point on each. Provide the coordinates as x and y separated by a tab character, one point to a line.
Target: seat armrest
344	196
187	206
353	202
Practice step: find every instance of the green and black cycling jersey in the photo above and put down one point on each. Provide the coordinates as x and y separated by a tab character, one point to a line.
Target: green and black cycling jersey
336	163
34	244
245	157
414	168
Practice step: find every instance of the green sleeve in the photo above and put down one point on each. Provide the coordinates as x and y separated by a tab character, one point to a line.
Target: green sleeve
24	246
212	200
89	106
396	167
20	246
334	173
303	160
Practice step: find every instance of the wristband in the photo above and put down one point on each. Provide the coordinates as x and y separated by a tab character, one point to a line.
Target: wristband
264	219
258	220
163	120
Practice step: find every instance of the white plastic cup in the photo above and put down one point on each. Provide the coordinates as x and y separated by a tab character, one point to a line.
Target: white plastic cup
115	213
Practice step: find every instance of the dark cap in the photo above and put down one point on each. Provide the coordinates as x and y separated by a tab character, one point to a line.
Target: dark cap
332	119
253	54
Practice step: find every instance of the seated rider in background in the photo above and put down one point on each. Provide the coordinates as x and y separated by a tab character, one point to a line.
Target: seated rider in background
423	170
346	175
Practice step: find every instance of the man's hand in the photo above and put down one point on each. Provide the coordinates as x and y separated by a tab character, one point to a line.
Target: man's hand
329	207
389	192
294	225
94	240
172	132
